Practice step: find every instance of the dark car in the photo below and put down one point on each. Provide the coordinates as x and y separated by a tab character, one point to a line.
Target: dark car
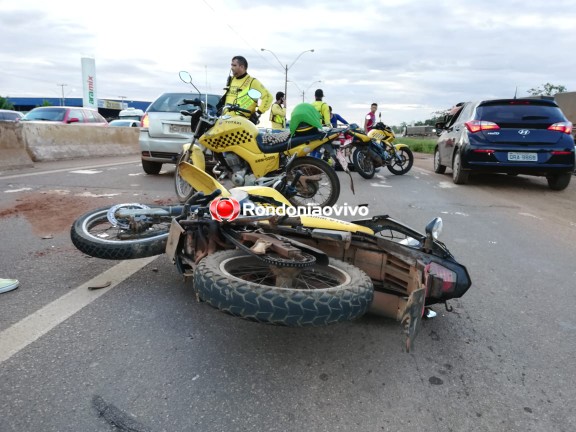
164	129
512	136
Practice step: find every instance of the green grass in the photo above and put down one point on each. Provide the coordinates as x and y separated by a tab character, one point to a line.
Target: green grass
420	145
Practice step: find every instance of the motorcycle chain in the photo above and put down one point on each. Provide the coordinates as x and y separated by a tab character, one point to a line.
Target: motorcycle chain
274	259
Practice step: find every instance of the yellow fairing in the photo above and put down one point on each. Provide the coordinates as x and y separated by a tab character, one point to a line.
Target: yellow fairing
238	135
381	135
198	158
199	180
362	137
333	224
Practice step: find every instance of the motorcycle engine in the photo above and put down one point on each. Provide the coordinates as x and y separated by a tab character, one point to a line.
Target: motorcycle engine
238	168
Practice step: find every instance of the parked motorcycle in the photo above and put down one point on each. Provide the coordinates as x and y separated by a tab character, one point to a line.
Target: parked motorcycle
376	149
248	156
291	270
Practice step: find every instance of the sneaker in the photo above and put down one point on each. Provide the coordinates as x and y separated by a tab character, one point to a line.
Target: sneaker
8	285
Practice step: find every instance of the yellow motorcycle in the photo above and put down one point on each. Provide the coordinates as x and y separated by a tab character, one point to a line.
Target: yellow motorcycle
247	156
249	256
376	149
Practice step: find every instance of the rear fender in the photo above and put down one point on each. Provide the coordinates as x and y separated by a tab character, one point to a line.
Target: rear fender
399	146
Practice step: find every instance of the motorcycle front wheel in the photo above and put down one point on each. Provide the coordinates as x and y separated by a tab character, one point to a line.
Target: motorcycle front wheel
402	162
244	286
184	190
318	185
93	234
363	164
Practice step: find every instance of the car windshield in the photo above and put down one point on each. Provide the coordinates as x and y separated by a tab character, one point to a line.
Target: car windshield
47	114
520	114
174	102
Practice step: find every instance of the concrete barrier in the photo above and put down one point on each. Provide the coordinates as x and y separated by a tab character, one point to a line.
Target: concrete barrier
23	143
13	152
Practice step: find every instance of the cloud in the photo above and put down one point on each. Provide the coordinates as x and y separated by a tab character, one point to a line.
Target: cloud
413	58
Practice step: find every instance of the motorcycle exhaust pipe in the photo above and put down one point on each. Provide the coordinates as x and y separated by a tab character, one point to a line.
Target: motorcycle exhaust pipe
375	157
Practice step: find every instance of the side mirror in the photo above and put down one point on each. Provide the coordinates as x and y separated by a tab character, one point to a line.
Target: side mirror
73	120
185	76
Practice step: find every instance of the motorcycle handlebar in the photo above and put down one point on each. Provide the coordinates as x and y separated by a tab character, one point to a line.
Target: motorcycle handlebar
237	108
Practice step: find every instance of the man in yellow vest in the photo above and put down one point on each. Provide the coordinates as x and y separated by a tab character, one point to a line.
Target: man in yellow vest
239	84
278	112
322	107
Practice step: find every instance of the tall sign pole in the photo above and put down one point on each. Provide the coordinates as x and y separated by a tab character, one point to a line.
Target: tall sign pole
89	98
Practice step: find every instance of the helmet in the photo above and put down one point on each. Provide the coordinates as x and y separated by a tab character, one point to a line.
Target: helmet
319	93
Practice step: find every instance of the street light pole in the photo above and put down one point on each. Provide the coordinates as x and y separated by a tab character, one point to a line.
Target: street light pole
63	99
303	92
286	68
122	102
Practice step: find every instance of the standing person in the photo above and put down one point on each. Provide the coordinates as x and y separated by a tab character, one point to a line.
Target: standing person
335	118
322	107
370	119
237	89
278	112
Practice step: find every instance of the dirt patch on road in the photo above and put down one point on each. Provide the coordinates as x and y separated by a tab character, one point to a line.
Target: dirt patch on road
51	213
55	211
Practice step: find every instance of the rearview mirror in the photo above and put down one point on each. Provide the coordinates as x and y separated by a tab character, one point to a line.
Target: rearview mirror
185	76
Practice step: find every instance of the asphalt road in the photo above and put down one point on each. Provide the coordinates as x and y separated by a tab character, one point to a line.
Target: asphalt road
142	352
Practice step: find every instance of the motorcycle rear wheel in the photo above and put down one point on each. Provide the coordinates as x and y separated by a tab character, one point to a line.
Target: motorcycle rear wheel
402	162
363	164
322	193
184	190
94	235
244	286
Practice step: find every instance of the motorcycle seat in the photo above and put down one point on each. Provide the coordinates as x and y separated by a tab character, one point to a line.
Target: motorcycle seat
277	142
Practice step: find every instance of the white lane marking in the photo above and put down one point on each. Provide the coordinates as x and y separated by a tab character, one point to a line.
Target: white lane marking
93	195
379	185
135	174
454	213
88	171
34	326
530	215
446	185
67	170
17	190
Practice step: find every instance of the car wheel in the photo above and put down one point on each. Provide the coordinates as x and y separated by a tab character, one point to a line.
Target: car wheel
459	176
438	167
559	181
152	168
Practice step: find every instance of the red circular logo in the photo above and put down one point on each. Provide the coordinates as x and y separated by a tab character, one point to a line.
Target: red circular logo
224	209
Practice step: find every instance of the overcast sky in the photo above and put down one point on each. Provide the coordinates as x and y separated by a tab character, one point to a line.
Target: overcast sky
411	57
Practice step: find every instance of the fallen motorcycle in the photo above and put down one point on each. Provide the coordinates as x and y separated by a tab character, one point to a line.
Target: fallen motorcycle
249	259
247	156
376	149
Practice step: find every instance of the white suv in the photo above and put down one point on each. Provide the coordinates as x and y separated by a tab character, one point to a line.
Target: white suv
164	130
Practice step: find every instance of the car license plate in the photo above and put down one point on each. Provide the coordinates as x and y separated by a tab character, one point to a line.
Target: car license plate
523	157
180	129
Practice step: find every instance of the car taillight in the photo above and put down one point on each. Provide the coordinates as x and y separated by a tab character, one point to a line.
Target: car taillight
440	280
565	127
477	126
145	122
